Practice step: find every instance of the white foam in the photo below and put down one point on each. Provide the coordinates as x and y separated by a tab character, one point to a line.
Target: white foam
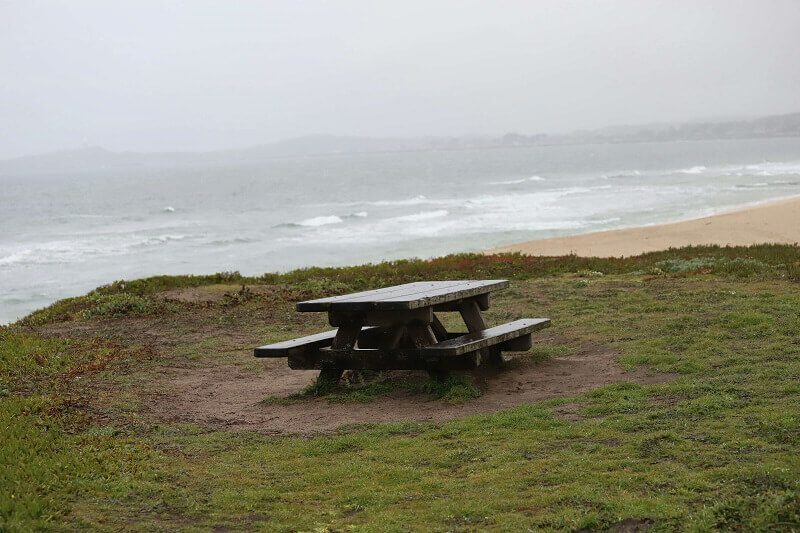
425	215
518	181
320	221
158	239
169	209
698	169
63	251
570	208
417	200
16	257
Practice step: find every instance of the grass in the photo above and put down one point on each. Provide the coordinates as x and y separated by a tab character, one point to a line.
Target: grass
716	449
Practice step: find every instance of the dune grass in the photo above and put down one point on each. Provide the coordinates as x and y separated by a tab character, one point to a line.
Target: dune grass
717	448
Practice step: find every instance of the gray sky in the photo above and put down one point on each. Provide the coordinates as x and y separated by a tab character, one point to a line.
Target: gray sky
196	75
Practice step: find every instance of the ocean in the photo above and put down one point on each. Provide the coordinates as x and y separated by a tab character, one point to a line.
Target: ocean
64	234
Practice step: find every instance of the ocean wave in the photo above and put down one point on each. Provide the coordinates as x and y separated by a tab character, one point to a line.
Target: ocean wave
425	215
77	250
621	174
320	221
765	168
517	181
417	200
158	239
16	257
569	208
698	169
761	185
227	242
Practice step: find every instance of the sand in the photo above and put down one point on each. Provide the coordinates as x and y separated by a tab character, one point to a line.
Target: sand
774	222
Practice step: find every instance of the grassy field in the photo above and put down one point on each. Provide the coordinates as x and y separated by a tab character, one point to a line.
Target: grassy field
715	448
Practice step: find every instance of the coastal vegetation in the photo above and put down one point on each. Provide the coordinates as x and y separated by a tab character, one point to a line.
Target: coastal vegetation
714	445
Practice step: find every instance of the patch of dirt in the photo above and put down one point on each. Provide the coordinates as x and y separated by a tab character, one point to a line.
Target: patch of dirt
569	411
213	294
230	397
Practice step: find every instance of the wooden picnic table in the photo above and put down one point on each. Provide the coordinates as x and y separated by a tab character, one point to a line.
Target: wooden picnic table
398	328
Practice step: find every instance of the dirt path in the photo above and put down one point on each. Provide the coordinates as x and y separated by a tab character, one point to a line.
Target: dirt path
226	396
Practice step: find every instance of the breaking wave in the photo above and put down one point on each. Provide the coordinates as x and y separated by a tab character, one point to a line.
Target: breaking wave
321	221
517	181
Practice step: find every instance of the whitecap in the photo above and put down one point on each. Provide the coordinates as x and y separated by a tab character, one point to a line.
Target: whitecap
320	221
424	215
158	239
698	169
16	257
517	181
169	209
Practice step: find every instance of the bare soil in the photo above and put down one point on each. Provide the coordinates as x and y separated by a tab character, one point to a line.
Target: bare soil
231	397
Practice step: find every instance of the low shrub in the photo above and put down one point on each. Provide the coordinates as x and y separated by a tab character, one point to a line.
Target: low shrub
117	305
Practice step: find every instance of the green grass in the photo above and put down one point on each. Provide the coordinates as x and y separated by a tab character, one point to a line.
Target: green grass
717	448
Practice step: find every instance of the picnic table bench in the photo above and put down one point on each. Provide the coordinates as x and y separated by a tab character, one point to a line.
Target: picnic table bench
397	328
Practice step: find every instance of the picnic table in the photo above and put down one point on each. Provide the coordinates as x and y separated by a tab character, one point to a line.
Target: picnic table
398	328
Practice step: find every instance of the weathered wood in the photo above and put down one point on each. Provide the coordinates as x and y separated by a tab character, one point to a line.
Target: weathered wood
381	318
408	296
438	329
375	359
384	338
421	335
482	299
520	344
346	336
344	341
485	338
298	346
370	294
471	313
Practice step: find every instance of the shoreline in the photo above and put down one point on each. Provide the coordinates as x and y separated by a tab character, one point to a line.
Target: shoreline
773	221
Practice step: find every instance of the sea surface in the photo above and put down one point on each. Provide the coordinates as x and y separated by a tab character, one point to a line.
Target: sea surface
64	234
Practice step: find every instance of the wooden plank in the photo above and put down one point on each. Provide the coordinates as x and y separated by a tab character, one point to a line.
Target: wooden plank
382	318
287	348
455	305
444	294
438	329
408	296
322	304
383	338
485	338
376	359
296	346
471	314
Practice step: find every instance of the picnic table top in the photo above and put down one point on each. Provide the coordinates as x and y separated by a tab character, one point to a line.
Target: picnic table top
406	296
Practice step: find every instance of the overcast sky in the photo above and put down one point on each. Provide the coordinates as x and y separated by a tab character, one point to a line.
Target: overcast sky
196	75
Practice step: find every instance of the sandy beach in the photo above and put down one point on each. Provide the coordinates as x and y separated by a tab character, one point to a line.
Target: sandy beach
774	222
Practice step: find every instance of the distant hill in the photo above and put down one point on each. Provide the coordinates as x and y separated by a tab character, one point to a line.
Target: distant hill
773	126
97	159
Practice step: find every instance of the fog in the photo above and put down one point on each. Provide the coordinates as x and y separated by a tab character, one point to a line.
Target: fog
207	75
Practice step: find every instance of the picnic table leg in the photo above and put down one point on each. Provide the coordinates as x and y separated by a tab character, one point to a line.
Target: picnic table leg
345	338
438	329
425	335
471	313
